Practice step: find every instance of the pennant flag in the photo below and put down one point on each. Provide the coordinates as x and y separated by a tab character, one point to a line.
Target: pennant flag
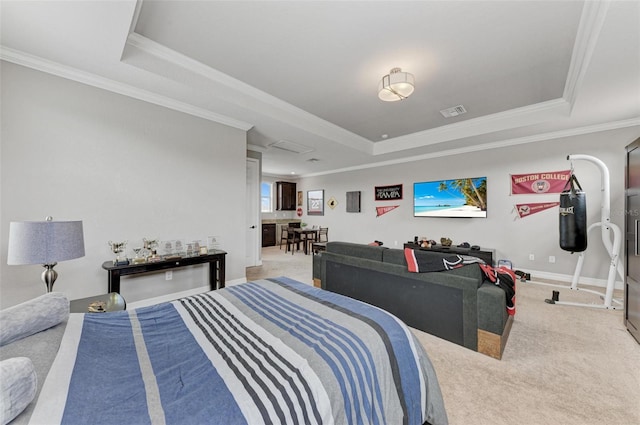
383	210
551	182
524	210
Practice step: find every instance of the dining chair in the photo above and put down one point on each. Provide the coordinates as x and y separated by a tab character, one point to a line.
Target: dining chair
324	231
310	239
292	238
283	235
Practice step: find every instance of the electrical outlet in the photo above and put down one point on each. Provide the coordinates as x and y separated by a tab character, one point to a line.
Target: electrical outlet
532	257
168	275
395	243
552	259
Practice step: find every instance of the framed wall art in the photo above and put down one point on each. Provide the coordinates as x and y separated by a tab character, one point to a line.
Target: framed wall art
353	201
315	202
388	193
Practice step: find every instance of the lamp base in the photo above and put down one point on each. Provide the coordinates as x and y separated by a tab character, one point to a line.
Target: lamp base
49	276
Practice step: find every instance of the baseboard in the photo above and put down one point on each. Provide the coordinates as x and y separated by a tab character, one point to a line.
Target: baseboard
492	344
235	281
168	297
537	274
176	295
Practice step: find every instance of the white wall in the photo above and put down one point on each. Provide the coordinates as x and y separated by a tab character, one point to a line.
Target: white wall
127	168
513	239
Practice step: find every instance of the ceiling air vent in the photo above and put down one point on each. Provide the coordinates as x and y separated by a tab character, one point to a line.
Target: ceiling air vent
313	160
291	147
453	111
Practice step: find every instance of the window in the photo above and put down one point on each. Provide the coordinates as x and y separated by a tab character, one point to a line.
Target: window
265	197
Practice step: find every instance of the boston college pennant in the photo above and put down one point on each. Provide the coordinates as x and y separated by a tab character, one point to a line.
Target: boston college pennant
548	182
524	210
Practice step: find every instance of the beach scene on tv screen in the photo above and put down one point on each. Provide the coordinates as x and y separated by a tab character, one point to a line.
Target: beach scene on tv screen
451	198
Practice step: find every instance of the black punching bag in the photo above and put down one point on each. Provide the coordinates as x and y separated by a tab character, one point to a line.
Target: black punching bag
573	217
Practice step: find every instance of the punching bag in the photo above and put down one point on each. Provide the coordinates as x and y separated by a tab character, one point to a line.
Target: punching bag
573	217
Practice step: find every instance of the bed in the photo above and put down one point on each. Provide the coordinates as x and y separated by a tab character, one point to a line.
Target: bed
272	351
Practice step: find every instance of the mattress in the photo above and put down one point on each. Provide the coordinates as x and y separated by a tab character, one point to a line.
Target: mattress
264	352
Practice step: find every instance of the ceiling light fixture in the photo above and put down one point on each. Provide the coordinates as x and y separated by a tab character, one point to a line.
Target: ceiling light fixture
396	85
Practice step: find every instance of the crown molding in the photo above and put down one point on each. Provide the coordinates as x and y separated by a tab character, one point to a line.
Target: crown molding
518	117
591	23
30	61
490	145
590	26
134	18
256	148
267	104
283	111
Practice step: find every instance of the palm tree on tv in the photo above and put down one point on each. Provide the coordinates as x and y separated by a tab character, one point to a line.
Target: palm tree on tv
473	190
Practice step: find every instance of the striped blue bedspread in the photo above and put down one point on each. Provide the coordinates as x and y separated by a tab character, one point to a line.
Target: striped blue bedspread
273	351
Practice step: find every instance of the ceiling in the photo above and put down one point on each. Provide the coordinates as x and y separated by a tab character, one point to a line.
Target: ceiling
302	76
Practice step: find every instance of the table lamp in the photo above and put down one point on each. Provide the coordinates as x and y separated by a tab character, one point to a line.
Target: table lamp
45	242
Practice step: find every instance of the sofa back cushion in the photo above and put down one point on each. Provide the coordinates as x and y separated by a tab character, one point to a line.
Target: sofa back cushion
357	250
396	256
470	270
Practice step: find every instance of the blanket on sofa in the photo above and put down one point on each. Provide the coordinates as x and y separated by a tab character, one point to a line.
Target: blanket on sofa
270	351
504	277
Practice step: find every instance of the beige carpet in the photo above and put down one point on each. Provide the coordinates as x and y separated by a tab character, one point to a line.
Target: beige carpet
562	365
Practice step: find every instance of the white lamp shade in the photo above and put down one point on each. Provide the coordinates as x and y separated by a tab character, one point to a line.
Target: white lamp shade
396	85
44	242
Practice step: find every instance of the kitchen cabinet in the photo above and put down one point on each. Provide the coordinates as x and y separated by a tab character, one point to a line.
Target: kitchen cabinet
268	234
285	196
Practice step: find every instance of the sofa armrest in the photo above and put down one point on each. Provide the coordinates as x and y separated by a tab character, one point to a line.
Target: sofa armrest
317	268
492	308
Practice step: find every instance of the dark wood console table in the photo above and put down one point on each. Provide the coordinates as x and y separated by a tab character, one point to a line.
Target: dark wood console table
485	254
215	258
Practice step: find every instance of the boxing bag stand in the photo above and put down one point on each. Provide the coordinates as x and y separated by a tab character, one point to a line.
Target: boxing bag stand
613	248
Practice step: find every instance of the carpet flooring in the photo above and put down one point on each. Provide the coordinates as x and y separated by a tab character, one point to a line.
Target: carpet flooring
562	365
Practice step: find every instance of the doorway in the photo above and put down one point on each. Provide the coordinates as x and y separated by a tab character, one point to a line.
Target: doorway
252	216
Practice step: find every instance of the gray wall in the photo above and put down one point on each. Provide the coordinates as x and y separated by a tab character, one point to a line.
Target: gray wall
127	168
513	239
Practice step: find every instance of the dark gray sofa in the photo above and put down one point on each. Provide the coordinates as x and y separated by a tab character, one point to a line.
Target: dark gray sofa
456	305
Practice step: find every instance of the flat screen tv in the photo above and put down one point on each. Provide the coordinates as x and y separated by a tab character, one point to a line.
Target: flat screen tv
451	198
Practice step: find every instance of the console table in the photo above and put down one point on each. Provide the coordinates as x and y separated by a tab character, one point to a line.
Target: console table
485	254
215	258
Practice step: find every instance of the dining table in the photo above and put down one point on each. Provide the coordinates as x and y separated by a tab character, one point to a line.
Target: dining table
306	232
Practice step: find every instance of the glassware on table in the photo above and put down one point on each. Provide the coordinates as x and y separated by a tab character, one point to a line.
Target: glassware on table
138	259
117	248
150	246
